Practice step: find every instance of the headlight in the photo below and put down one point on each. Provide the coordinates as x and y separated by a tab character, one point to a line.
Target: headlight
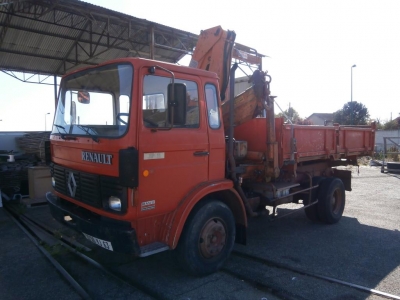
114	203
53	181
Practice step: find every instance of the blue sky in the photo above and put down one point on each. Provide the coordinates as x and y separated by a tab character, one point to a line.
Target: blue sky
311	45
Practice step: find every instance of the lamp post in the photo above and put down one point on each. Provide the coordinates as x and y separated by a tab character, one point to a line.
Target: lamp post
351	96
45	121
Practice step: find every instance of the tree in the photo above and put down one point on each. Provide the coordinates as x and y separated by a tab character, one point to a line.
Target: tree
379	124
352	113
291	113
392	125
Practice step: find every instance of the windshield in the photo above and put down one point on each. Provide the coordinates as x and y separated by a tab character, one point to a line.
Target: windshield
95	102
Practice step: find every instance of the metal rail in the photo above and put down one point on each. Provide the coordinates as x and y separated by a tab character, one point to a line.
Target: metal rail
32	227
274	264
80	290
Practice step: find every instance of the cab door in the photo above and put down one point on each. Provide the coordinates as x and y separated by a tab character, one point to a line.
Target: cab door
172	161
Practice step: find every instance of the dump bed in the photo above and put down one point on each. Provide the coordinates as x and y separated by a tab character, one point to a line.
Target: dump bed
244	106
310	142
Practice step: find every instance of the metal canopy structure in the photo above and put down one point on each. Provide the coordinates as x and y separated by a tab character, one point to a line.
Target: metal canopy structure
53	37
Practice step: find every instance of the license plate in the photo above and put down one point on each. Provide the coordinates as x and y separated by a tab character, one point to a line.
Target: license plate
104	244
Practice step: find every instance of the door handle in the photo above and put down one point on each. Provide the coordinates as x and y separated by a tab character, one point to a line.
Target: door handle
201	153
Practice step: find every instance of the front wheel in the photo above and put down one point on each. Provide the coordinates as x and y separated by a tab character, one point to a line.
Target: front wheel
207	239
331	200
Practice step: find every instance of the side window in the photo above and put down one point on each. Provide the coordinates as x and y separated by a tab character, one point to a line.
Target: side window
123	115
155	108
212	106
192	107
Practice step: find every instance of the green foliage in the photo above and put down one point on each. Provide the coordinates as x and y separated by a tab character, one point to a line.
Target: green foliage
379	155
291	113
294	116
391	125
352	113
54	250
393	156
379	125
19	208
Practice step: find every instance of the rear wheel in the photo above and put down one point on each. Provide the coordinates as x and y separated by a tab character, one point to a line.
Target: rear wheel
207	239
331	200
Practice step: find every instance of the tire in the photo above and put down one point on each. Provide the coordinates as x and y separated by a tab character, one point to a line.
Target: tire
207	239
312	211
331	200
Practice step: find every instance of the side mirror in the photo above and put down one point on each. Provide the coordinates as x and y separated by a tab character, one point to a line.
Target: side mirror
177	103
84	97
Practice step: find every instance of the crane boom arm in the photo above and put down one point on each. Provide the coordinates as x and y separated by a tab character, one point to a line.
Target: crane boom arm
213	53
215	50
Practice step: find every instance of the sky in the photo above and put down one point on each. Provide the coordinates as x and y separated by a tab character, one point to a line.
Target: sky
311	47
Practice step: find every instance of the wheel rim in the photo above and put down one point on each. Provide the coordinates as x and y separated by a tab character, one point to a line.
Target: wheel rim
336	201
212	238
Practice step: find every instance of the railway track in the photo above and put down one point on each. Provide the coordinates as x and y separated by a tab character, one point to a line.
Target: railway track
155	277
90	279
282	288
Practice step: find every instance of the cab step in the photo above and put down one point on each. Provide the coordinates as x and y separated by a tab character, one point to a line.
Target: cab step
153	248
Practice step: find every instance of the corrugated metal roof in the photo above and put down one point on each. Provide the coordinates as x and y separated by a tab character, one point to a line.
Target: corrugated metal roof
56	36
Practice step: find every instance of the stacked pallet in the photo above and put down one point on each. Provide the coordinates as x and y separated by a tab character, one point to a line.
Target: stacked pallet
33	143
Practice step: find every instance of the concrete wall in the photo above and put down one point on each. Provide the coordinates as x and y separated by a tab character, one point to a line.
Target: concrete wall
380	134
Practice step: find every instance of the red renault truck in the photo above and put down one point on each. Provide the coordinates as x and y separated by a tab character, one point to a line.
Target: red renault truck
148	156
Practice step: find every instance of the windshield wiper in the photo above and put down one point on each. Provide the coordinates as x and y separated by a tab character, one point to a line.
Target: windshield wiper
87	130
62	127
64	135
59	126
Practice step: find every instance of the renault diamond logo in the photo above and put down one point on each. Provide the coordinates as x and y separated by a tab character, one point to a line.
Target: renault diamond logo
71	184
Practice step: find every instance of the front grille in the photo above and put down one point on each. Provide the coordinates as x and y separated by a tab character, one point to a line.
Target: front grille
88	188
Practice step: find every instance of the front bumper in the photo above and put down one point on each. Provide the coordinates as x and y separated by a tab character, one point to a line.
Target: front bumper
120	233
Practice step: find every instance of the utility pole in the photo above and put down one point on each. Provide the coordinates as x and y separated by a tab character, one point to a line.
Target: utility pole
351	96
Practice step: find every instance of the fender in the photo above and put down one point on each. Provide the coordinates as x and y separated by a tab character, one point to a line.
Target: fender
227	194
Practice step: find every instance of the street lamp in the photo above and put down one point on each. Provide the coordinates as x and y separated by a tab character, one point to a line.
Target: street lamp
45	123
351	97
